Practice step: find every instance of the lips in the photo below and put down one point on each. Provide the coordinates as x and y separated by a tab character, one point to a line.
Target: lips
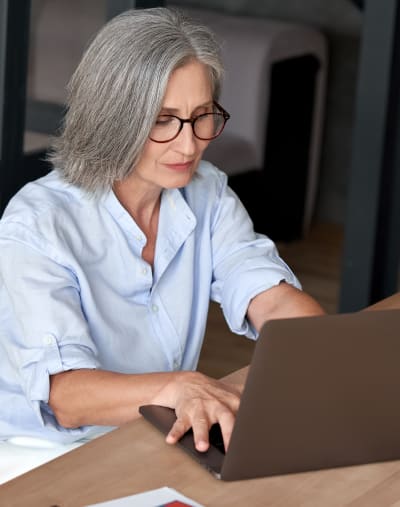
180	167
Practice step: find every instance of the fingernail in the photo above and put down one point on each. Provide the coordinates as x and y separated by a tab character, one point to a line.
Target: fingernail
202	445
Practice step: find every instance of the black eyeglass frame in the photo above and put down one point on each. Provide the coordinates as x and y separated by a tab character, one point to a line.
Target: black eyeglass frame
222	113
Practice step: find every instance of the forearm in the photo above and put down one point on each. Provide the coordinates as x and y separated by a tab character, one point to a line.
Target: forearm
282	301
93	397
97	397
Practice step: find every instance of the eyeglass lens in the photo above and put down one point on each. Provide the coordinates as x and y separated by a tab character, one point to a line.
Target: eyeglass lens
206	126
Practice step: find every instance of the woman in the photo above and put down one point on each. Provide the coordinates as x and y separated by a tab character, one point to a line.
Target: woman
108	263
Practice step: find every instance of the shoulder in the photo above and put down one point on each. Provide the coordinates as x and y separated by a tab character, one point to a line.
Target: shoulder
39	198
44	209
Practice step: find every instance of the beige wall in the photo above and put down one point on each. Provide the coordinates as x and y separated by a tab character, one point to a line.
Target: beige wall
61	29
341	22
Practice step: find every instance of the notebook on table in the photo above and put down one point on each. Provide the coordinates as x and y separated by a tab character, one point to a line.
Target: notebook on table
321	392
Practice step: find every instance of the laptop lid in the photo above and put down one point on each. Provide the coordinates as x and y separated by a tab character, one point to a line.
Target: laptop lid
321	392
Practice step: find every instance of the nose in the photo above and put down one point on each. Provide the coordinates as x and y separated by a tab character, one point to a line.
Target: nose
186	142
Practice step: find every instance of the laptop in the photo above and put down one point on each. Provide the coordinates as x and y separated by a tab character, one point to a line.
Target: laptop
321	392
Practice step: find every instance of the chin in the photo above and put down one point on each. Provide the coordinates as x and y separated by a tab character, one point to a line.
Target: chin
179	181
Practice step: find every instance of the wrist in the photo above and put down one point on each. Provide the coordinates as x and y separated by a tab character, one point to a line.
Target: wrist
166	395
173	385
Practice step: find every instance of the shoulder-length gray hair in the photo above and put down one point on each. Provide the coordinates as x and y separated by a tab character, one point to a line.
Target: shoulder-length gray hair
117	90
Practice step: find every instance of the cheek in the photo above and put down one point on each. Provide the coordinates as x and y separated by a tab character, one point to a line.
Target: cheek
152	152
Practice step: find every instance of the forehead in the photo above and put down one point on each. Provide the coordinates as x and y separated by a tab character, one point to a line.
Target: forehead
188	87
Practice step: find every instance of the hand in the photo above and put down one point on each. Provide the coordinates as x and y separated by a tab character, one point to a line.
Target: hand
199	403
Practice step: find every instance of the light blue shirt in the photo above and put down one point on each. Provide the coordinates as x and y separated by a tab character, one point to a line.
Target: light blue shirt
76	293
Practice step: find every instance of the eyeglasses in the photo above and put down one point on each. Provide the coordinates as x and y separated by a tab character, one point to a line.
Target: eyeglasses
206	126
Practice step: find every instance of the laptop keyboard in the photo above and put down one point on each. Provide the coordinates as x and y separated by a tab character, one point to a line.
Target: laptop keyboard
216	439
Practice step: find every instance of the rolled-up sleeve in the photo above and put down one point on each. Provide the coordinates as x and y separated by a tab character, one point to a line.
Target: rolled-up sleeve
43	313
244	263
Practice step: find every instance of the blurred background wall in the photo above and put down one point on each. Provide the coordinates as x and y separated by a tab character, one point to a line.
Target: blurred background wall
61	29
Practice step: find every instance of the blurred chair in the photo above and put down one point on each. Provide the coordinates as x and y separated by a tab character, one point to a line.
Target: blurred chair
274	89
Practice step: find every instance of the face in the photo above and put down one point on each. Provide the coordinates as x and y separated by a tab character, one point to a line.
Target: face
172	164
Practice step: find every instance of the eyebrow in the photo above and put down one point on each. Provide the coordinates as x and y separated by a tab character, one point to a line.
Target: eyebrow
174	111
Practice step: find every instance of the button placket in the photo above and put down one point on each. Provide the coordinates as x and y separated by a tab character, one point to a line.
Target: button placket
48	339
173	352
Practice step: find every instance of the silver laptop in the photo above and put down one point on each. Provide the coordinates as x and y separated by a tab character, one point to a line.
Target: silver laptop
321	392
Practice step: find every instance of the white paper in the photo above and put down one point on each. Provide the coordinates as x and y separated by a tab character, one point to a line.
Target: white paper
152	498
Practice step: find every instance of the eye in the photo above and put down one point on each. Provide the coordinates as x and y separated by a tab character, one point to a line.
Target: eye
164	120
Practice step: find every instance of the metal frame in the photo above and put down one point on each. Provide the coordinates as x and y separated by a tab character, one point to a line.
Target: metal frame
372	240
14	36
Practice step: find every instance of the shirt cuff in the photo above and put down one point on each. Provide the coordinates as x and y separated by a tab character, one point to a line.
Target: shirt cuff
37	364
236	301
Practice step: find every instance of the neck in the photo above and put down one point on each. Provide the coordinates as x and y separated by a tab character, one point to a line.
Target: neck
142	204
144	207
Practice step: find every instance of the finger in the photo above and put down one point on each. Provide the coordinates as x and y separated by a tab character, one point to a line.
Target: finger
179	428
201	430
226	420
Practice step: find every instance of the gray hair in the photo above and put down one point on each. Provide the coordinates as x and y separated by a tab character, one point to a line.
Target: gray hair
117	91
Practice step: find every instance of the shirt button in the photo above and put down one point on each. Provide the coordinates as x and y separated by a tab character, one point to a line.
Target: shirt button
48	339
144	271
154	308
176	364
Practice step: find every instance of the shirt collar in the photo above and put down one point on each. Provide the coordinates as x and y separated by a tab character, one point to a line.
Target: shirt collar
176	222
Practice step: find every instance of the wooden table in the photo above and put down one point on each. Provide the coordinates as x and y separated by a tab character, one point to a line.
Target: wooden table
135	458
